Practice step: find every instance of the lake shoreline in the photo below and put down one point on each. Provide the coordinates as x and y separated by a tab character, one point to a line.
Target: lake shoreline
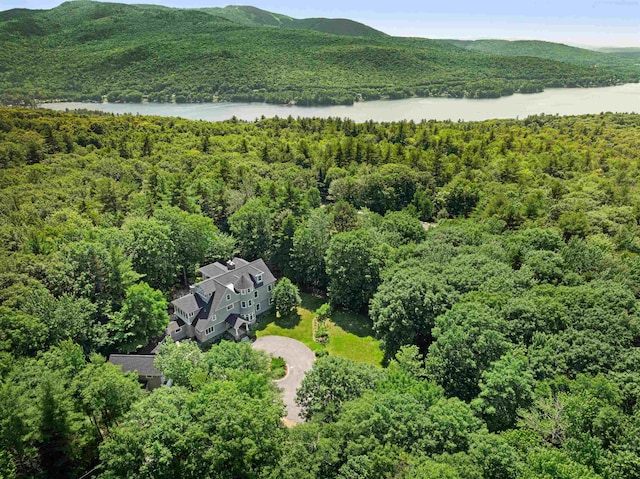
362	100
562	101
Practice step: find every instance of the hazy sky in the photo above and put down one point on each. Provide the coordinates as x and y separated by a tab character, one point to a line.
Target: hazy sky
579	22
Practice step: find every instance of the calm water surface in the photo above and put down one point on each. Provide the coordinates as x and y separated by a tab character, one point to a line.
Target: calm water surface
574	101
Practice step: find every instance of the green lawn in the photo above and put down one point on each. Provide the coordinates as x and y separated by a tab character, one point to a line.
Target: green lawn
350	334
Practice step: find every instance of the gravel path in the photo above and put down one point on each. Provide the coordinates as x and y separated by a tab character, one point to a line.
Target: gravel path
299	359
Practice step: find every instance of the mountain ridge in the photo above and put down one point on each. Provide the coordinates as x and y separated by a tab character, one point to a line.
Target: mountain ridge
85	50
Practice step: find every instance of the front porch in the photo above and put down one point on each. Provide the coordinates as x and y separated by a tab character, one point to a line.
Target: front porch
239	327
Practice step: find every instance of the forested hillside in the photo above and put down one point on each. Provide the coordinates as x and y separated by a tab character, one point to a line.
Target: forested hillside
510	327
256	17
551	51
84	50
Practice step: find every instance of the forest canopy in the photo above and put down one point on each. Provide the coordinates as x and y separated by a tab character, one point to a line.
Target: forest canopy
497	262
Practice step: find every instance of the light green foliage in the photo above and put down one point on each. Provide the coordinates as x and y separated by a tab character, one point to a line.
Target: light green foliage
399	228
331	382
20	334
192	431
143	315
55	408
192	435
538	333
286	297
105	393
554	464
189	367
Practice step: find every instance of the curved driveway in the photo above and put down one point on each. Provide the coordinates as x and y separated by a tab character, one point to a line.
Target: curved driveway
299	359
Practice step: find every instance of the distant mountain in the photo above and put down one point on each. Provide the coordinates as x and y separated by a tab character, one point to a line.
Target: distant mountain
619	49
84	50
548	50
255	17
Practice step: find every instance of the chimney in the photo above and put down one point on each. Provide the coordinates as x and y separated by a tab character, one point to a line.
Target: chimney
231	265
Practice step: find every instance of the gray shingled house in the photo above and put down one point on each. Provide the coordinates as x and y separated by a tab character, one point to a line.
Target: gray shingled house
227	300
142	364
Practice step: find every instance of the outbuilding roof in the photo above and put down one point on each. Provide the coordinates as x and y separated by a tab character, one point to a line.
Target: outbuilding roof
141	363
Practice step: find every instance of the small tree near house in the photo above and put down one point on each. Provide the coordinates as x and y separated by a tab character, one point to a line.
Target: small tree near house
286	297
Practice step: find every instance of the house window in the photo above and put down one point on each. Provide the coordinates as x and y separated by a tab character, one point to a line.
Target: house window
230	307
228	297
270	300
255	294
270	287
243	304
259	278
250	303
257	306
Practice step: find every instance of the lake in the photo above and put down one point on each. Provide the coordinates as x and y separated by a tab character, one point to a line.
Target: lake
562	101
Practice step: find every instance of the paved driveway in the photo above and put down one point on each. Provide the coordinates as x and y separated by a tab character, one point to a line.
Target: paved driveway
299	359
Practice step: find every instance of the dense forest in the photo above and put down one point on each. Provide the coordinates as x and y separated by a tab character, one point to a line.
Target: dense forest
85	50
509	325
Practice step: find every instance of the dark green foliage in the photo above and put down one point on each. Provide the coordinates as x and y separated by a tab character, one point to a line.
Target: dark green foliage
251	225
468	338
405	308
354	261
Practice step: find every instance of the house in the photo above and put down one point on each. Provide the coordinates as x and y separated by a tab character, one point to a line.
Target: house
142	364
227	301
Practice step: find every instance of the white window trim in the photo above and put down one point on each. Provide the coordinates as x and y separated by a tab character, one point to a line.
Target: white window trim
229	307
243	304
270	287
250	303
228	297
255	294
257	306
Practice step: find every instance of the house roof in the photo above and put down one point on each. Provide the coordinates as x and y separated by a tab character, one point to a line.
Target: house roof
142	363
222	280
235	321
243	283
212	270
188	303
208	286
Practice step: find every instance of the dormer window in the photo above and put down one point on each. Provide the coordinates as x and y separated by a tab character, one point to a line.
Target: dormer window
259	278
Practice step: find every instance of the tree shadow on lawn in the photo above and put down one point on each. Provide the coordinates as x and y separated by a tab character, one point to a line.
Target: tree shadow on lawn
353	323
286	322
